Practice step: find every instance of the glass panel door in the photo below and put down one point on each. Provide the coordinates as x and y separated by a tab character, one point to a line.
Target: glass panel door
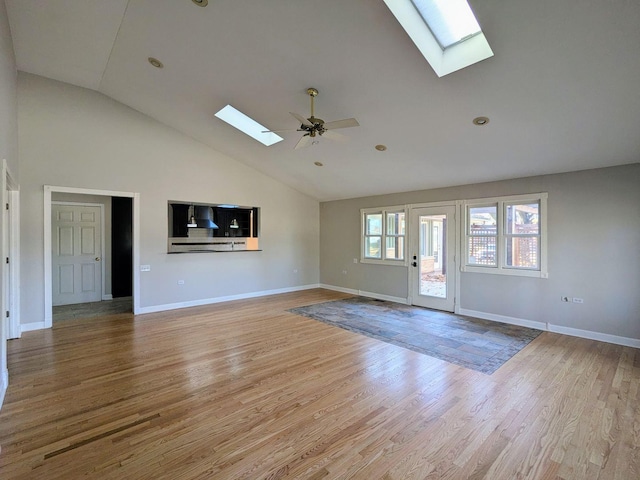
432	267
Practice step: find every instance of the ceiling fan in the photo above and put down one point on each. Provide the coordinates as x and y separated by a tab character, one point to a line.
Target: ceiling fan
316	127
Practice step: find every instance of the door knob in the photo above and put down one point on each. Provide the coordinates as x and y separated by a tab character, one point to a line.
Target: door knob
414	264
98	259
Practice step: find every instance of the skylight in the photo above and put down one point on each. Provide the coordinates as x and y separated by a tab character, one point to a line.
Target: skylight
445	31
450	21
247	125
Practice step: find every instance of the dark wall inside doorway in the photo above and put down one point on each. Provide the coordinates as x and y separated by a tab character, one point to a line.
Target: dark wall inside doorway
121	247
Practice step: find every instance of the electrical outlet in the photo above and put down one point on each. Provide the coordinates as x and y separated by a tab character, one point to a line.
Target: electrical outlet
295	270
355	260
564	299
145	268
577	300
180	282
344	272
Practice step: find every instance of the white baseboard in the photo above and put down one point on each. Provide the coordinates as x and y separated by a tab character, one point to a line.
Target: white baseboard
339	289
209	301
28	327
574	332
362	293
107	296
602	337
4	383
380	296
503	319
548	327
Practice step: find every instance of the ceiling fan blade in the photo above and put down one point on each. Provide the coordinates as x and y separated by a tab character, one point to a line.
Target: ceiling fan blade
345	123
301	119
305	141
331	135
283	130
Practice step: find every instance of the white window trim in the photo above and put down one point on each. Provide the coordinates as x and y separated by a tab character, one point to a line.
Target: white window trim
501	268
383	235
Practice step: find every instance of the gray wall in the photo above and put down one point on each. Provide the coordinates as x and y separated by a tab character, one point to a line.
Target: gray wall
593	251
74	137
8	103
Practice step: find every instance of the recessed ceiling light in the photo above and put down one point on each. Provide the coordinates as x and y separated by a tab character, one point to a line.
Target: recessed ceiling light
248	125
480	121
201	3
381	148
155	62
318	164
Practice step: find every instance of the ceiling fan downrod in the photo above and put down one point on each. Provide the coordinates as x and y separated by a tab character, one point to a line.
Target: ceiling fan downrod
312	92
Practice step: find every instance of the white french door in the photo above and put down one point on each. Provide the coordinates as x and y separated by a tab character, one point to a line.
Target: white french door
432	257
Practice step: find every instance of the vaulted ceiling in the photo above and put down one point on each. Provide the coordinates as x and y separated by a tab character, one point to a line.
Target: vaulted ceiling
561	91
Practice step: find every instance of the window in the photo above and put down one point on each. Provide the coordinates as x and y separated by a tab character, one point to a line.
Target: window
522	235
248	125
450	21
482	235
372	235
383	235
506	235
445	31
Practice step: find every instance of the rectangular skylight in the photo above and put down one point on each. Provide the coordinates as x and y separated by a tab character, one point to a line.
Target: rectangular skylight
450	21
445	31
248	125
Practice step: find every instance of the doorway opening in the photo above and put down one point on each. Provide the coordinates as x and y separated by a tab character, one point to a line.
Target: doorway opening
114	250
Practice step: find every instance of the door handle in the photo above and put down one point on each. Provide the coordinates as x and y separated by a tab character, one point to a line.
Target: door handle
98	259
414	264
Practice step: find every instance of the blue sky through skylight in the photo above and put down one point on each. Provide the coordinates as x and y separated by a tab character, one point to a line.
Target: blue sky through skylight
248	125
450	21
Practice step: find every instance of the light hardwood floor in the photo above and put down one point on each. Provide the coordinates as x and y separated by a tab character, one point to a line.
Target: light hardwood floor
247	390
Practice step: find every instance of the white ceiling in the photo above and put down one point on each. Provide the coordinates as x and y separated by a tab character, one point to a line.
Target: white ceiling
562	90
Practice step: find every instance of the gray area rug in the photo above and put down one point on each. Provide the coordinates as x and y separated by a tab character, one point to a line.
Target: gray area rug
480	345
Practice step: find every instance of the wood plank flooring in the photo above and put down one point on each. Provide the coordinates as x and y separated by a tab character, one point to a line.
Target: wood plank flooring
246	390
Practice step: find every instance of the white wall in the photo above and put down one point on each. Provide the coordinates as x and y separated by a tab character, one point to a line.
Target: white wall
75	137
593	252
9	152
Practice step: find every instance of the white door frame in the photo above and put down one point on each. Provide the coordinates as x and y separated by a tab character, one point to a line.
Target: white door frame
103	295
48	294
10	293
458	243
13	252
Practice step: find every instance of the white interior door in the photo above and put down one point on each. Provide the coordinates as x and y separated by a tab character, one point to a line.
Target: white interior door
432	257
76	254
